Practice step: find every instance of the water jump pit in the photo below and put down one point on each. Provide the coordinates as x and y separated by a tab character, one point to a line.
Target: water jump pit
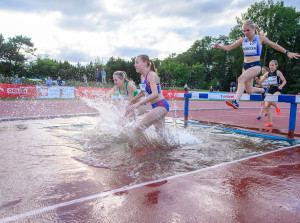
45	162
50	165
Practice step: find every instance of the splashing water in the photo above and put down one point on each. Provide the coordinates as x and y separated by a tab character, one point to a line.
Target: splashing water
105	144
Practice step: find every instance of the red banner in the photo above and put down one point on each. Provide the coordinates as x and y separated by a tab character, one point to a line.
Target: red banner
17	91
88	92
170	94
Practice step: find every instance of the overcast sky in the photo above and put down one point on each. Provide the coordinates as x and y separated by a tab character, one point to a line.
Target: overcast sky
83	30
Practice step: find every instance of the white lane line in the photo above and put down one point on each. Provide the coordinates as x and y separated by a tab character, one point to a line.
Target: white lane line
122	189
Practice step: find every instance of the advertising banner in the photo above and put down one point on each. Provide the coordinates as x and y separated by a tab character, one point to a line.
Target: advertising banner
170	94
89	92
55	92
17	91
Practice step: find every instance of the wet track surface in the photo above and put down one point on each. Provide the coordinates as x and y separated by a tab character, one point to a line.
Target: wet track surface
46	163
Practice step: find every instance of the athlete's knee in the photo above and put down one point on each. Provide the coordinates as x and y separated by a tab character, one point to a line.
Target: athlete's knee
250	90
241	79
139	128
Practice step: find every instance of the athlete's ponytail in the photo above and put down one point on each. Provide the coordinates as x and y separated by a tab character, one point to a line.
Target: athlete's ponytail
150	64
251	24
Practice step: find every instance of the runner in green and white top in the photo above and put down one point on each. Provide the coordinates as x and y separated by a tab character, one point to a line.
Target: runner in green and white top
126	89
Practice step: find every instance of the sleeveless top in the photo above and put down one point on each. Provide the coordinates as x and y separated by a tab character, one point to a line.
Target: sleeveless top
252	48
145	86
126	96
273	79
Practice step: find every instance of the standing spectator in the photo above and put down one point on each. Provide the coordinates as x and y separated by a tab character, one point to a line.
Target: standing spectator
84	78
231	87
186	87
17	80
48	81
218	87
103	74
97	75
59	81
211	89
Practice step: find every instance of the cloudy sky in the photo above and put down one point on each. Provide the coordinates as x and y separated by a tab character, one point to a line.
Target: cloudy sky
83	30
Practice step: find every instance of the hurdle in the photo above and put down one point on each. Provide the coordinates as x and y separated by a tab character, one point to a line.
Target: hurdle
292	99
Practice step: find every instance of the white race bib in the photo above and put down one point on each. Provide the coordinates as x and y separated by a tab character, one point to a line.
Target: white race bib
250	48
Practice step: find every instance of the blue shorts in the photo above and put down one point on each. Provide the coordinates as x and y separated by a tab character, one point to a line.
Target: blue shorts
246	66
161	103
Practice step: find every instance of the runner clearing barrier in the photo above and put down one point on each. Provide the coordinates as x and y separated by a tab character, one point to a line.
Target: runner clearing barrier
252	45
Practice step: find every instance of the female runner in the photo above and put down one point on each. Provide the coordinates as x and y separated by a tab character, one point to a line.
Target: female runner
252	45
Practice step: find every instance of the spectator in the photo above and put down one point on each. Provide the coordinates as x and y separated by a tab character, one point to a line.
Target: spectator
17	80
103	75
97	75
84	78
233	87
218	87
59	81
186	87
48	81
211	89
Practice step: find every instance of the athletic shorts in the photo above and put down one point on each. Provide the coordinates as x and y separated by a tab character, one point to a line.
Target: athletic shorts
246	66
274	89
161	103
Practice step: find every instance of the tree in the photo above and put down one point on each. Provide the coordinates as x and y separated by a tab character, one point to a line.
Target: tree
14	53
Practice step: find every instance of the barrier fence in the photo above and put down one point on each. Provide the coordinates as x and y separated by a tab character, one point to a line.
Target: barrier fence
292	99
33	91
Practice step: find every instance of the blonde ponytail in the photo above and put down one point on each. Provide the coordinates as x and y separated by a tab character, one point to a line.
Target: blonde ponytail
251	24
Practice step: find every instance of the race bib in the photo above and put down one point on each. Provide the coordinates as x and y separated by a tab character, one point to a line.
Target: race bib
250	48
143	89
273	80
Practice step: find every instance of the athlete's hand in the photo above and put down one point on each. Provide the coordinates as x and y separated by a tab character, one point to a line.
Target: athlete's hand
217	46
293	55
130	108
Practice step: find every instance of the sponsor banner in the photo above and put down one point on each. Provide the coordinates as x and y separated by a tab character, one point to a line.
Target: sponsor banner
88	92
17	91
170	94
55	92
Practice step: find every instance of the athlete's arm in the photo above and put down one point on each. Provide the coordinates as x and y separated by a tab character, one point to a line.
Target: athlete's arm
131	89
278	47
153	86
229	47
108	95
279	74
260	81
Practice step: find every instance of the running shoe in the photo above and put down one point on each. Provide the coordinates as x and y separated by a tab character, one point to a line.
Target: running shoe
269	124
278	110
258	118
263	95
233	104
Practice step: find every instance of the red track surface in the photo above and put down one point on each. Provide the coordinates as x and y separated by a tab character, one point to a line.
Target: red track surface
258	189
